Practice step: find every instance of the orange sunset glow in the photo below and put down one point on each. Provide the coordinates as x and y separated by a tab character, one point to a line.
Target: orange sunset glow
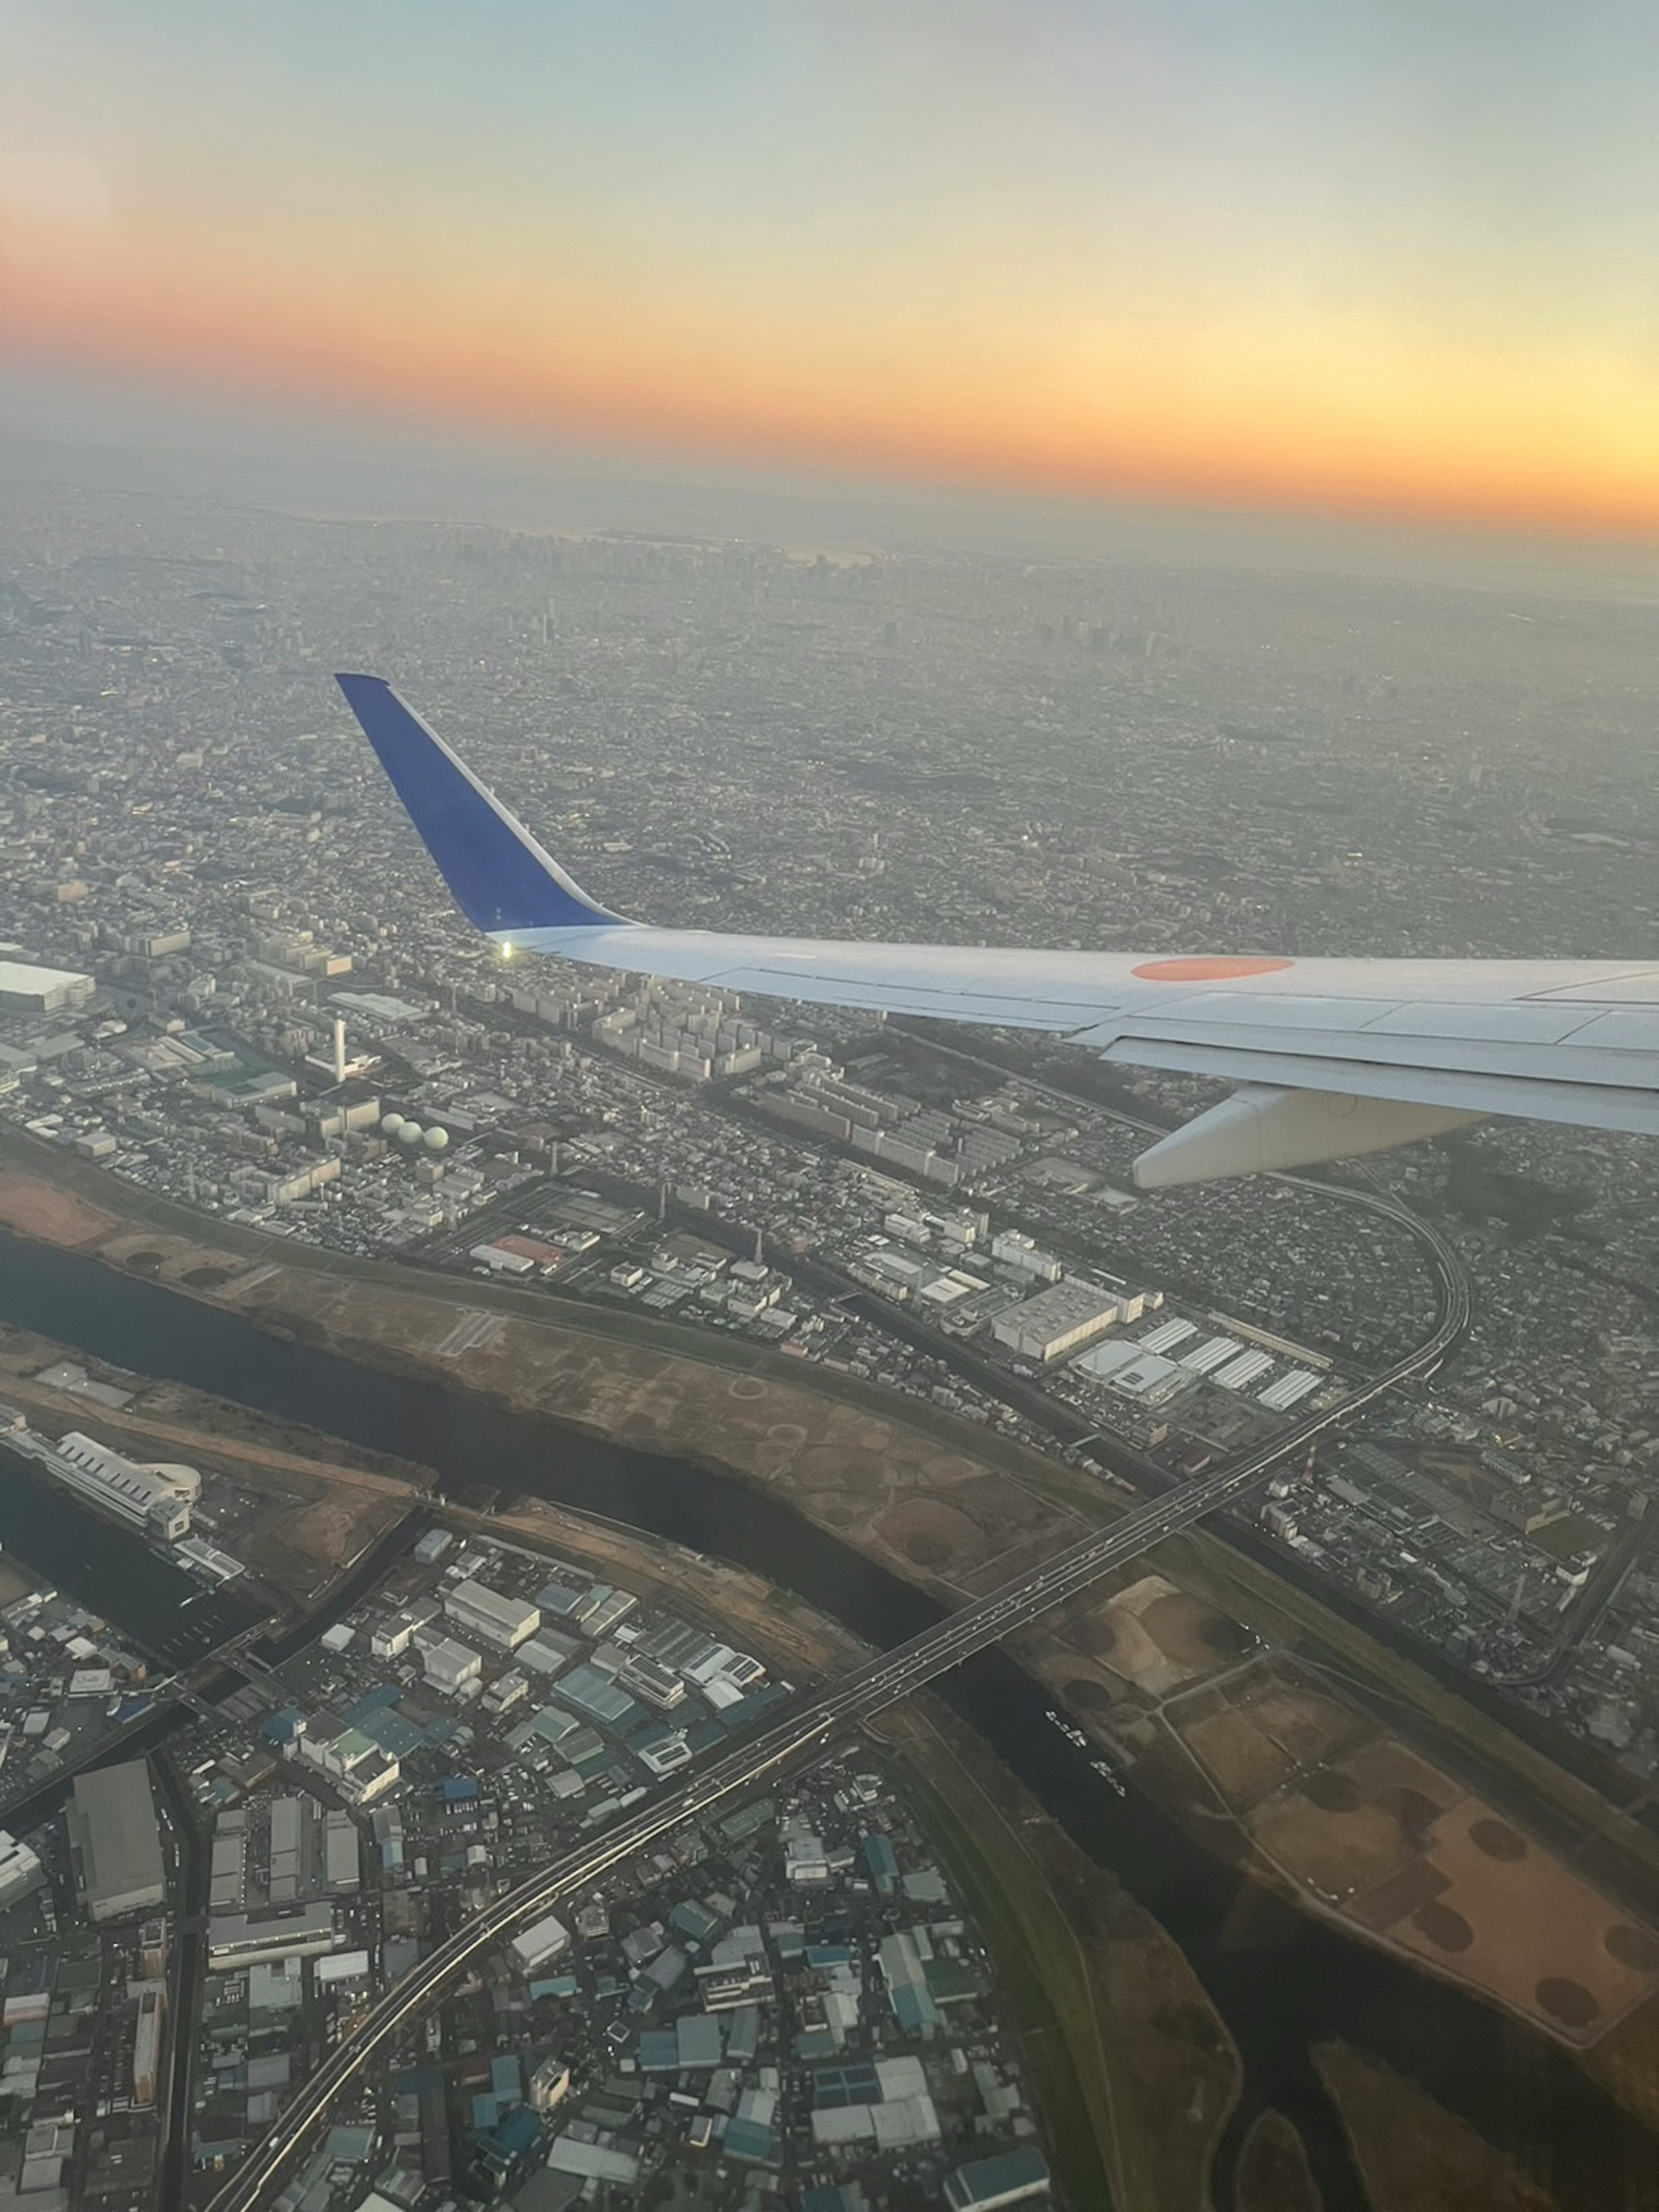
1076	310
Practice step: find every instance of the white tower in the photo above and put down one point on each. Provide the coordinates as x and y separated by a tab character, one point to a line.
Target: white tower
339	1050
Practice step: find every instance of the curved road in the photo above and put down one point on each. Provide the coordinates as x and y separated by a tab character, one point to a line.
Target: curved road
800	1741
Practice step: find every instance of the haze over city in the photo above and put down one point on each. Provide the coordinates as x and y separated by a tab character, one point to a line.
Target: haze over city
618	1594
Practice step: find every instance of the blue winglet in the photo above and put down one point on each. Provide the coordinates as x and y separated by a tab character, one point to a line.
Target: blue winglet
501	877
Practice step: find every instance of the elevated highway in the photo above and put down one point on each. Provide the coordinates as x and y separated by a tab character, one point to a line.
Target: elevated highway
790	1745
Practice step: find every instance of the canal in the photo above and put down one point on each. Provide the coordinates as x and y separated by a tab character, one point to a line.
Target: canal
1281	1981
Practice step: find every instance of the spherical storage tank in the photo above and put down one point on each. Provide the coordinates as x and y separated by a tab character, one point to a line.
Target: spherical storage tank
435	1139
410	1134
389	1124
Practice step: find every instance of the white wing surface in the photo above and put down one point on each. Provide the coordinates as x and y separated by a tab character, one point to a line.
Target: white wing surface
1332	1057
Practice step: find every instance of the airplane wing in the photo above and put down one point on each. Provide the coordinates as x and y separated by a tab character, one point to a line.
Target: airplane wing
1331	1057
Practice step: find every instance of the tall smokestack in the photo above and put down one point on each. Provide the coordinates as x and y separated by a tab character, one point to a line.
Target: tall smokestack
339	1050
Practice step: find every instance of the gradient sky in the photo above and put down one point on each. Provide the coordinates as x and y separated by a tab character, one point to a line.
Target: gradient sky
1396	256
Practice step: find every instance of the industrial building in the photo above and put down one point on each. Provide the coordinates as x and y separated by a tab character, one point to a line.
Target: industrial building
20	1870
506	1622
651	1683
156	1497
1248	1367
390	1639
116	1841
447	1664
1062	1319
235	1941
1014	2176
1016	1251
1132	1370
147	2045
358	1767
342	1859
547	1939
28	989
1214	1351
1279	1397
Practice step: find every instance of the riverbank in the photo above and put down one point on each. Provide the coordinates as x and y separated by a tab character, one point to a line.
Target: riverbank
1416	2157
951	1509
1320	1985
1133	2071
291	1503
1273	2175
1131	2064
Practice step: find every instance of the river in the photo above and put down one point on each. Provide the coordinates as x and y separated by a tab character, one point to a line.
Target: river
1281	1981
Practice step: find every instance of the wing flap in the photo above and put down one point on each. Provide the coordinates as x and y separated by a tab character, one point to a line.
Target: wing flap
1561	1097
1575	1041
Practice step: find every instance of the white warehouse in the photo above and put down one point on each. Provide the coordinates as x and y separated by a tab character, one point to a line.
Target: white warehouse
1059	1320
506	1622
157	1498
447	1665
547	1939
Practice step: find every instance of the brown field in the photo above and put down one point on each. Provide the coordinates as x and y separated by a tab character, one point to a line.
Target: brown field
1385	1771
1415	2157
1152	1638
37	1209
894	1489
1334	1853
1365	1827
1243	1760
1307	1724
930	1533
1538	1937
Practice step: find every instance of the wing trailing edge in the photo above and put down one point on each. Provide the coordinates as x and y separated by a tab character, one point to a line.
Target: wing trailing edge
1331	1058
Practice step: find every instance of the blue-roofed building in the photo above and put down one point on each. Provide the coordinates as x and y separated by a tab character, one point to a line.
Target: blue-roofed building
883	1865
907	1985
1013	2177
415	2080
834	2086
694	1919
285	1728
499	2157
592	1691
698	2034
752	1707
554	1725
751	2141
388	1730
372	1701
660	2051
571	1600
743	2028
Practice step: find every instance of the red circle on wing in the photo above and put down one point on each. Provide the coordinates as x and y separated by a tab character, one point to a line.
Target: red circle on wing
1212	970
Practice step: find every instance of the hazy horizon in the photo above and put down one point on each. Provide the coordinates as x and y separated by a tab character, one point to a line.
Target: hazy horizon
137	437
1291	259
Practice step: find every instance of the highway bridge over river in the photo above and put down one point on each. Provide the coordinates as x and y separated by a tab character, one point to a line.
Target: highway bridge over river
815	1727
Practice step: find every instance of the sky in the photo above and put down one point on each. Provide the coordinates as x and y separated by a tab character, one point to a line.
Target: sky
1392	258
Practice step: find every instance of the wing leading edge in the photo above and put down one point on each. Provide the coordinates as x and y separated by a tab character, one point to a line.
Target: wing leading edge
1334	1057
